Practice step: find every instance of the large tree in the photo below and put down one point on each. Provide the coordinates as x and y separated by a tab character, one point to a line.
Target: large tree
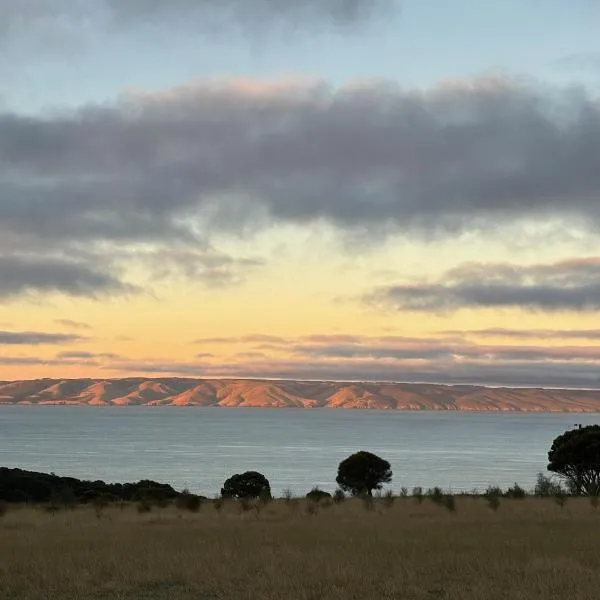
246	485
363	472
575	456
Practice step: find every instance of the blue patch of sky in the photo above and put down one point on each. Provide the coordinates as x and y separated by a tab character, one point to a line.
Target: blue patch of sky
429	41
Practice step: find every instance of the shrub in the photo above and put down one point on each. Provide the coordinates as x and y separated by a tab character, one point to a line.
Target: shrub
493	491
388	498
545	487
3	508
250	484
189	501
403	492
560	497
288	496
312	508
368	502
144	506
417	493
435	494
317	495
516	492
339	496
246	504
449	502
218	504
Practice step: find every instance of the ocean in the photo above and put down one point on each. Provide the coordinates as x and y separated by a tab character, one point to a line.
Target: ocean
198	448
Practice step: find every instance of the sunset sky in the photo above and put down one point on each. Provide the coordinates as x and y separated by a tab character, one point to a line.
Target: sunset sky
319	189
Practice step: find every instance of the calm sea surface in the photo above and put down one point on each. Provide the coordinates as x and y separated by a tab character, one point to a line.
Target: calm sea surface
199	448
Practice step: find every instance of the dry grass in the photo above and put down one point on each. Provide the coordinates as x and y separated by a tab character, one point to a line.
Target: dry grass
525	549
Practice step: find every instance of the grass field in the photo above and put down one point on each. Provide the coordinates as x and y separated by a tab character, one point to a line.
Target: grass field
526	549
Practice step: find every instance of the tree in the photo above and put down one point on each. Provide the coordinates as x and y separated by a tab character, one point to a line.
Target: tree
363	472
575	456
247	485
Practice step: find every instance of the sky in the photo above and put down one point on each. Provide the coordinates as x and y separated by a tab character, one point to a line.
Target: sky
325	189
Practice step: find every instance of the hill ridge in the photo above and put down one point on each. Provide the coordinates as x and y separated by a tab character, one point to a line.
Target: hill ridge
269	393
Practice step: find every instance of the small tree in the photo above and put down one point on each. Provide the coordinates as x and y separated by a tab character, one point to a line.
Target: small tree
363	472
246	485
575	456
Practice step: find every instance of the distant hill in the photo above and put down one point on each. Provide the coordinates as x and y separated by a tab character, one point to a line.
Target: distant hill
299	394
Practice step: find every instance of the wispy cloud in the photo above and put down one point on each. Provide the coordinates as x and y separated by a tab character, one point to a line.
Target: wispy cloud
444	359
571	285
540	334
36	338
71	324
22	274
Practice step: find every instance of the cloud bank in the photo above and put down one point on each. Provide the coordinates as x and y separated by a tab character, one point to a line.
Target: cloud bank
173	169
571	285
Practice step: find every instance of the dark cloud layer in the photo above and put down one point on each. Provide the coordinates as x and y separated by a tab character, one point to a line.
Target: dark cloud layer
30	274
571	285
172	168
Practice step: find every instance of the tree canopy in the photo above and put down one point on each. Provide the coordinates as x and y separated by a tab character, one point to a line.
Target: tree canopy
250	484
363	472
575	456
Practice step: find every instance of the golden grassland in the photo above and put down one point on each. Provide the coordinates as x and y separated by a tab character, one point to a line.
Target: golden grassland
525	549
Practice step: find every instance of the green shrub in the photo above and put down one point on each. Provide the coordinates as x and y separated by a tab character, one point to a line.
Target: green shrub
516	492
545	487
312	508
144	506
560	497
317	495
493	502
368	502
250	484
246	504
189	501
339	496
449	502
493	491
436	495
388	498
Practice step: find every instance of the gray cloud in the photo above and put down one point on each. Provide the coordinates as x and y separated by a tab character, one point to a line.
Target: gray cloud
251	11
583	334
174	168
214	269
572	285
21	274
83	355
36	338
254	338
61	24
24	361
516	373
361	156
580	61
